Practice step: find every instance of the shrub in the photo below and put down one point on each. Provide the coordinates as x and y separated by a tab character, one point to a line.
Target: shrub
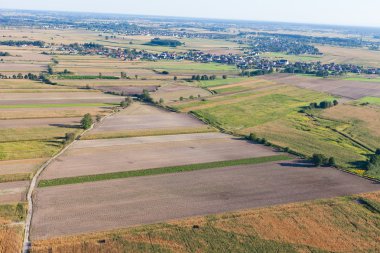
335	102
98	118
319	160
69	137
86	121
252	137
331	162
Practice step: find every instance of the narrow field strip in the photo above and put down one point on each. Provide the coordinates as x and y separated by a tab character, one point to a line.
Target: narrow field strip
158	171
56	105
148	132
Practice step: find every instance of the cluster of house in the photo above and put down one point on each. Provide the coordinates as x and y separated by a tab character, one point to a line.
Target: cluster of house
248	61
279	45
329	69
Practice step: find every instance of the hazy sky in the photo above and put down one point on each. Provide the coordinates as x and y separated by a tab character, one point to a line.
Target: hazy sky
343	12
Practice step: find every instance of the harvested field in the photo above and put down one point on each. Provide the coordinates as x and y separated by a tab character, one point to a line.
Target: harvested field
149	118
61	112
13	192
57	98
94	83
344	88
20	166
333	225
173	92
27	123
88	157
175	196
15	68
26	84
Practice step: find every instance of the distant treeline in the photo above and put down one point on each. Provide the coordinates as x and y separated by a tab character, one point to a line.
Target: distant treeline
87	77
5	54
19	43
167	43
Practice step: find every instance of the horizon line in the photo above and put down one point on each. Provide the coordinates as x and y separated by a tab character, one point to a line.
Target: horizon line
199	18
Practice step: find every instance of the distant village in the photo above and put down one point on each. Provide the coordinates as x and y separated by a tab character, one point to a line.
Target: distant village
250	63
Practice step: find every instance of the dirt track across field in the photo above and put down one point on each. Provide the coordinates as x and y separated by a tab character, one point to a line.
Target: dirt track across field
344	88
99	206
88	157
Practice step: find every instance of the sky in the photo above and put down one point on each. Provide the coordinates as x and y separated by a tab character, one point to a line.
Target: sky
340	12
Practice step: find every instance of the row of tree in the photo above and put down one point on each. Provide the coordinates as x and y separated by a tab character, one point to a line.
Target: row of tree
324	104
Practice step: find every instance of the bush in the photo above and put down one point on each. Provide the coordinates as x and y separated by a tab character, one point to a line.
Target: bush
69	137
331	162
98	118
252	137
86	121
319	160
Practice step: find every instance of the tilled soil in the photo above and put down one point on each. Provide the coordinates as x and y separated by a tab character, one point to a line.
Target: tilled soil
105	205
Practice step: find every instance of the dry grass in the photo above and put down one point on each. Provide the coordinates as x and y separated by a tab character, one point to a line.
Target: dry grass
11	232
11	239
334	225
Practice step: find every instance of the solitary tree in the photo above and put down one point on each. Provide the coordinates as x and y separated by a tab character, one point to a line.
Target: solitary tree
50	70
86	121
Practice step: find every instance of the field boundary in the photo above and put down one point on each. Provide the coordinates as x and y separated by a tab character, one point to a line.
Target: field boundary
160	171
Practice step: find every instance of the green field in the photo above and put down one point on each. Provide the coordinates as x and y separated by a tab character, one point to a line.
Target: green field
363	79
34	133
158	171
370	100
274	114
29	149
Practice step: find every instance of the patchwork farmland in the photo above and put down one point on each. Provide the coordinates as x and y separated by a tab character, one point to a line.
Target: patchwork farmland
85	169
141	134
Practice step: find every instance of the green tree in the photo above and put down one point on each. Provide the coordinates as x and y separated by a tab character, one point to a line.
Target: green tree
50	70
331	162
319	160
86	121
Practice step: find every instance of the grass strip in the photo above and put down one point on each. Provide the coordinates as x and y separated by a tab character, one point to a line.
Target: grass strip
158	171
